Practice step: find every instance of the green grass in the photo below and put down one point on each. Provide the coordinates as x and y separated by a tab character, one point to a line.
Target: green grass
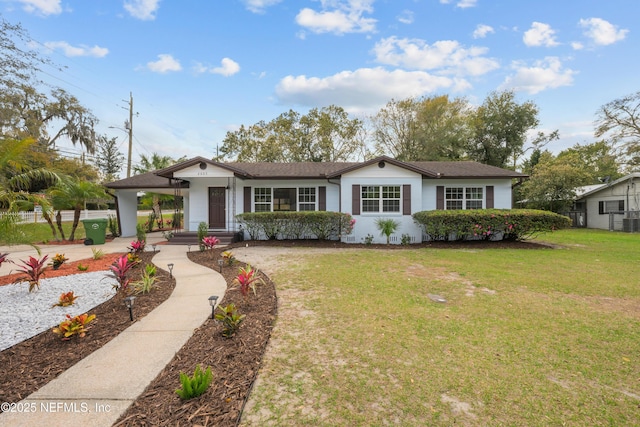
41	232
527	337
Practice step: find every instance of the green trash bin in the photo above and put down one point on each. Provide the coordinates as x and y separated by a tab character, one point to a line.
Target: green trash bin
95	230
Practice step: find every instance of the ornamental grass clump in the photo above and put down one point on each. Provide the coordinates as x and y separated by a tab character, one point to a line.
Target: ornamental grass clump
195	385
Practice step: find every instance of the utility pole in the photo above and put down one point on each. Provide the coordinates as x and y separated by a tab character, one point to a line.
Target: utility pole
130	129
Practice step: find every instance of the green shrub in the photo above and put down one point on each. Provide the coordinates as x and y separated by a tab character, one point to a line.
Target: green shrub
195	385
488	224
141	234
112	225
203	230
322	225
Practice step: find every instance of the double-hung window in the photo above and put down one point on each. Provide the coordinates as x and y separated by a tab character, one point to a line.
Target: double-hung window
267	199
380	198
464	198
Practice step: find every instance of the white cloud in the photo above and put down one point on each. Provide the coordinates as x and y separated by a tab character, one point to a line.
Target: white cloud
164	64
482	30
544	74
446	56
577	46
406	17
142	9
228	67
338	17
365	89
45	7
259	6
602	32
540	35
463	4
71	51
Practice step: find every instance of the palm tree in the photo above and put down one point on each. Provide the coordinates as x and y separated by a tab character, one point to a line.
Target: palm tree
148	164
387	227
73	193
15	179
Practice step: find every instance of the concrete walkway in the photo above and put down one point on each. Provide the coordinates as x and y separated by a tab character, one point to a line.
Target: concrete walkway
98	389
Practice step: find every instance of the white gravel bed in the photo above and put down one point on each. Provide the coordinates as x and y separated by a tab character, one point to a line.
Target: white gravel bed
24	314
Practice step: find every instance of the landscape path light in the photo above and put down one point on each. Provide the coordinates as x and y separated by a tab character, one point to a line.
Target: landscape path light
212	302
189	248
220	262
128	301
170	265
153	245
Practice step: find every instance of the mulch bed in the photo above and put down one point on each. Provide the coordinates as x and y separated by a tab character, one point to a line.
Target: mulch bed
29	365
234	362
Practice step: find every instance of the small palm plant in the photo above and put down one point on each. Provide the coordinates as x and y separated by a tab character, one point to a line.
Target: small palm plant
387	227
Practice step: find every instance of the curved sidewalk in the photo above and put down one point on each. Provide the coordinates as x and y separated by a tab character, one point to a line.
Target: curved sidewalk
97	390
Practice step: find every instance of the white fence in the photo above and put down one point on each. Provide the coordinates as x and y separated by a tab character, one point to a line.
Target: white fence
31	216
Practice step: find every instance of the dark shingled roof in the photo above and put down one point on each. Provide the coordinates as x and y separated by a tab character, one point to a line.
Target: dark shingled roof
145	180
307	170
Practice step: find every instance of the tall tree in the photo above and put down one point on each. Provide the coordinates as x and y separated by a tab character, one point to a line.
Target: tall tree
108	159
500	127
322	135
73	193
597	160
394	129
620	121
443	128
553	183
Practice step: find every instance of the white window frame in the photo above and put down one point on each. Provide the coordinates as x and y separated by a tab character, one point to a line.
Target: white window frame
466	197
381	199
308	198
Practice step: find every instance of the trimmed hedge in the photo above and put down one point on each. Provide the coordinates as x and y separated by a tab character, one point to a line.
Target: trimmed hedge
488	224
321	225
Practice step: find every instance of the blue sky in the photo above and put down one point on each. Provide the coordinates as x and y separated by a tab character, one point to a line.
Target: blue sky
198	69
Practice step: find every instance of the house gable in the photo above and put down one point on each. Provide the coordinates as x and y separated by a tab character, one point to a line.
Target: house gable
203	170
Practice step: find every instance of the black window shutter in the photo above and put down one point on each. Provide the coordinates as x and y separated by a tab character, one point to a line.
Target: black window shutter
489	197
322	198
247	199
406	199
621	205
601	207
440	197
355	200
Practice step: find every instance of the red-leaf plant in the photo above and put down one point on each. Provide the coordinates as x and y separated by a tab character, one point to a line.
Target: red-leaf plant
247	279
119	268
33	269
3	258
137	246
210	241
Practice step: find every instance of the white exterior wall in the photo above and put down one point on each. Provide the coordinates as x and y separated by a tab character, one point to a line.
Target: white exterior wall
615	192
501	191
128	211
365	222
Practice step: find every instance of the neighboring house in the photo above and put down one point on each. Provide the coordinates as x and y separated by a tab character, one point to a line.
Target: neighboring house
611	206
215	193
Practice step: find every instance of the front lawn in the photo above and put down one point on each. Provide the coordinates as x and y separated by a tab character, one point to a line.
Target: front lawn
527	337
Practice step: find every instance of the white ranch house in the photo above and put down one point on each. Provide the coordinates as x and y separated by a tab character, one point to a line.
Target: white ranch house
383	187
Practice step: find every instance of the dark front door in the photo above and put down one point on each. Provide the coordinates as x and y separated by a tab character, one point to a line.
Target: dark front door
217	207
